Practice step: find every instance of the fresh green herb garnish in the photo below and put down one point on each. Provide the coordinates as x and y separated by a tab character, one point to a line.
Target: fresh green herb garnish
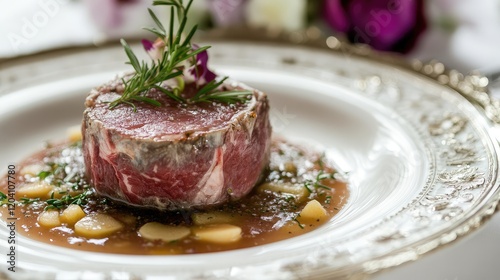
43	174
26	201
3	199
64	176
178	57
297	221
67	178
328	199
316	183
209	93
67	199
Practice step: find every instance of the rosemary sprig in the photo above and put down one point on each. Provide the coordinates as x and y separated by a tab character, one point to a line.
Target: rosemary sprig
149	76
209	93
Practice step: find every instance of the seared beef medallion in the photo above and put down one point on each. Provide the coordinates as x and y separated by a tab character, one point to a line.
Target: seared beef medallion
178	155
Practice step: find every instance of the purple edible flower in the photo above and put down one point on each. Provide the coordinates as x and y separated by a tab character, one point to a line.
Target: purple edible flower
200	71
387	25
148	45
154	49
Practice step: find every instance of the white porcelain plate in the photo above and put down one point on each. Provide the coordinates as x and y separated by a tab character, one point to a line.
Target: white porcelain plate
421	160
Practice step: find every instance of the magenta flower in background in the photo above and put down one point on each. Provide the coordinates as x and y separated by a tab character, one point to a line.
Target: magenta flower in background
387	25
227	12
109	13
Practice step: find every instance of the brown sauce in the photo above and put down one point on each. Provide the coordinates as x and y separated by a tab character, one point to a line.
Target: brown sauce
296	176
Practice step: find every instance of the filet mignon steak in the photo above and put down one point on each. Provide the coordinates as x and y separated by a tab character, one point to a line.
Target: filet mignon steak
177	156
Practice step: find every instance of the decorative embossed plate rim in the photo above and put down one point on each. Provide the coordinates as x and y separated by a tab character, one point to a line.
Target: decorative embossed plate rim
455	155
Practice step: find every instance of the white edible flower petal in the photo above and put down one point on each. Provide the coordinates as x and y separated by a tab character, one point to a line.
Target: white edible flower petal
288	15
154	49
186	72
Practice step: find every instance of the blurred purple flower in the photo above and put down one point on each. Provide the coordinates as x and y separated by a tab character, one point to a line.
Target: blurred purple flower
200	70
227	12
387	25
109	13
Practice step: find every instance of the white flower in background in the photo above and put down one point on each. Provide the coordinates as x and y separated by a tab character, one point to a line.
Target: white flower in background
288	15
463	34
476	41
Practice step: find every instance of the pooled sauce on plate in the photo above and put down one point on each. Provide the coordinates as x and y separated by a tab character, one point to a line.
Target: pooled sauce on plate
56	205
